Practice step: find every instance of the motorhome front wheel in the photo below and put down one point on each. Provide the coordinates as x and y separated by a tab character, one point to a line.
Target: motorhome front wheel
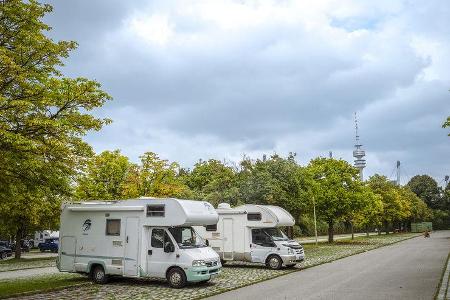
274	262
177	278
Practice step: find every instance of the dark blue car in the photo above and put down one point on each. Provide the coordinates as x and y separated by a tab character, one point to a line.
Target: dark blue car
49	245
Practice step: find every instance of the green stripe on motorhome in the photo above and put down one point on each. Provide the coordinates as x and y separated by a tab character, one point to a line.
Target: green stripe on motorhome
96	256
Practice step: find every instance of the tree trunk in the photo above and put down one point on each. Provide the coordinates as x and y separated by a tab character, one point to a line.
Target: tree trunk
367	231
18	250
330	231
353	233
386	227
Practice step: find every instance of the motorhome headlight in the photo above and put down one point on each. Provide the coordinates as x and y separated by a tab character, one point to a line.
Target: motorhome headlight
198	263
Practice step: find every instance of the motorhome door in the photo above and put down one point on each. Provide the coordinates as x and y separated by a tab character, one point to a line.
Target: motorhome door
157	260
228	239
262	245
131	247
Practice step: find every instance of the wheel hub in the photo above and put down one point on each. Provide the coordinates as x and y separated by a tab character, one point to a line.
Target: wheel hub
175	278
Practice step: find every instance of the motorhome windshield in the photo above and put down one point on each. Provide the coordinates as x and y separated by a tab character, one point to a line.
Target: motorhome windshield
186	237
276	234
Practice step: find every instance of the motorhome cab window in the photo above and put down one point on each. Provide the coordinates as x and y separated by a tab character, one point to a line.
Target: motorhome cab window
112	227
276	234
155	210
186	237
211	227
254	216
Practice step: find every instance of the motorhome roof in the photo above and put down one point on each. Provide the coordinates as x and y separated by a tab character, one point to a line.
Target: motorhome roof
176	212
279	215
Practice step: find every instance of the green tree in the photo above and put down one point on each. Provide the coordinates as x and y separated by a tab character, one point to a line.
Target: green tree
274	181
370	215
105	177
427	189
336	183
43	118
395	207
160	178
213	181
446	124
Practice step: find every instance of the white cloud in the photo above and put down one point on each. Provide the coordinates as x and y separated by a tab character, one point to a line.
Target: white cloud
195	79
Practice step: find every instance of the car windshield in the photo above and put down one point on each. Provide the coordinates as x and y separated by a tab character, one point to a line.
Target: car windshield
186	237
276	234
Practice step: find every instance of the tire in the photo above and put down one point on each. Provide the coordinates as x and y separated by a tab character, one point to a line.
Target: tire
99	276
3	255
274	262
177	278
42	250
223	262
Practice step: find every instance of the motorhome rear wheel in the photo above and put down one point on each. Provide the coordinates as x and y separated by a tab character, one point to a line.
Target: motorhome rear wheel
99	276
176	278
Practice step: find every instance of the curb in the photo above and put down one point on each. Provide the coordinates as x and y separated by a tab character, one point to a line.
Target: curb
444	291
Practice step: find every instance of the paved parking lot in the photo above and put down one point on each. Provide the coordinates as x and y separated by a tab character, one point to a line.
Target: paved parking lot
233	276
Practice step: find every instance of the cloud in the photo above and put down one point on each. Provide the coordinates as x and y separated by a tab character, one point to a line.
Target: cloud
197	79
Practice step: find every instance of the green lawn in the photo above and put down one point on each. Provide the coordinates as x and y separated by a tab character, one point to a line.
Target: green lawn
19	286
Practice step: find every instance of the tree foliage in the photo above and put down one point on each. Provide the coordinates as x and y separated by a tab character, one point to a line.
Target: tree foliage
43	117
426	188
338	191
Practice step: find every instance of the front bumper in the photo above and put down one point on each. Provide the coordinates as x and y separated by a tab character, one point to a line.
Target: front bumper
196	274
292	258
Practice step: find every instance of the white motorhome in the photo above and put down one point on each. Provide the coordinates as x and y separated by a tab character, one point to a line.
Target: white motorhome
251	233
41	236
145	237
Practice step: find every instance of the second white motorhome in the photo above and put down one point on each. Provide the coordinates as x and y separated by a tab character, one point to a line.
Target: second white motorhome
41	236
251	233
138	238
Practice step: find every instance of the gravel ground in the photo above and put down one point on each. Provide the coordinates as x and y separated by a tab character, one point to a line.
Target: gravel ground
233	276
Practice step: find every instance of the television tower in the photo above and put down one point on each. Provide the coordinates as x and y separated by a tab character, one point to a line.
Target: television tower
358	153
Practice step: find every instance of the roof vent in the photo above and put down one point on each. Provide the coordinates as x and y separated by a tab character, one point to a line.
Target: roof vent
224	206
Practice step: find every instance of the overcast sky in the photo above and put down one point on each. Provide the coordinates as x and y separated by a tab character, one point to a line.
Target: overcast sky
219	79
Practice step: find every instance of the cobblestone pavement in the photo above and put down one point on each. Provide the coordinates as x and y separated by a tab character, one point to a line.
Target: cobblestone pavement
234	275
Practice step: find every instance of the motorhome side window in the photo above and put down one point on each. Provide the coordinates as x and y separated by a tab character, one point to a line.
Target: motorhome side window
159	238
112	226
211	227
254	216
155	210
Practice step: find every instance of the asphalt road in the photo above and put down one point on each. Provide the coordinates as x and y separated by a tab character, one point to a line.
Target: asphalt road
407	270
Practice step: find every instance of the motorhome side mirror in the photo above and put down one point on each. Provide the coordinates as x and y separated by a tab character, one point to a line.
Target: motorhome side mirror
207	242
169	247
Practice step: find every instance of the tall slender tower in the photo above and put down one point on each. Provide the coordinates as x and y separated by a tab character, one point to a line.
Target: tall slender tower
358	153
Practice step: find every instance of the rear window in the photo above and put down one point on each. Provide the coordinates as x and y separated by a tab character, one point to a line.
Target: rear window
254	216
156	210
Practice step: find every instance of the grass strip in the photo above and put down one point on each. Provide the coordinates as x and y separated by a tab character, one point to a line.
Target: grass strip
25	286
24	260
